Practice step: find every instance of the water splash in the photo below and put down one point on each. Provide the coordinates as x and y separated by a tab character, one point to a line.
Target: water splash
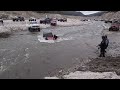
41	39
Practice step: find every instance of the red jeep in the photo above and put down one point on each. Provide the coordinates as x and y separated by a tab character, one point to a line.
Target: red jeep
115	26
53	23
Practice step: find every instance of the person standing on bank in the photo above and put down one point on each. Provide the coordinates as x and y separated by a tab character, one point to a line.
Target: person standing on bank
103	45
107	41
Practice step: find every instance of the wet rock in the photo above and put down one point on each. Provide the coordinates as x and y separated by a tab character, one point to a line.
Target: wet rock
118	72
83	68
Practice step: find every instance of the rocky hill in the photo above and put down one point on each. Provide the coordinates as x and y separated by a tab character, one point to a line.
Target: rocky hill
110	15
97	14
107	15
26	14
41	14
72	13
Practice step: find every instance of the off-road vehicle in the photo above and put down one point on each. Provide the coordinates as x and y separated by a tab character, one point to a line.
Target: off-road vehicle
115	26
46	21
18	19
34	28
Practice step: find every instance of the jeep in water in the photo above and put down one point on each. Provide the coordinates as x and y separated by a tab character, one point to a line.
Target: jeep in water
49	36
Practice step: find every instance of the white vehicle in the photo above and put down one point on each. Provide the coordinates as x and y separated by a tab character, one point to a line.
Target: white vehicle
34	28
32	22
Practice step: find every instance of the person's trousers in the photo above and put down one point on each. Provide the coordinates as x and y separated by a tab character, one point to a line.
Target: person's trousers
102	52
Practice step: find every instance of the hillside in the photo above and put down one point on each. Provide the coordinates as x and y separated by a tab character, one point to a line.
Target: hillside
41	14
26	14
111	15
107	15
97	14
72	13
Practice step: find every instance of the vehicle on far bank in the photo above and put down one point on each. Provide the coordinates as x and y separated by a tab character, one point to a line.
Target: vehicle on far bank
32	19
108	21
53	23
96	20
1	21
101	20
84	20
115	26
46	21
18	19
63	20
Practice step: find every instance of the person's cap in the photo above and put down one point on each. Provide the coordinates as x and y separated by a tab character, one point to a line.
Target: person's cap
103	36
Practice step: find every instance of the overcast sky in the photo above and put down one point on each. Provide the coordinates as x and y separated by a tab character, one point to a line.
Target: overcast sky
88	12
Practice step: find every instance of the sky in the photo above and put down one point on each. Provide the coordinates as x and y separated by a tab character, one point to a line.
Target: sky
88	12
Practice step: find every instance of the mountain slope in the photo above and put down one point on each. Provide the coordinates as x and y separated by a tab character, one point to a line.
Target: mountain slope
111	15
72	13
26	14
97	14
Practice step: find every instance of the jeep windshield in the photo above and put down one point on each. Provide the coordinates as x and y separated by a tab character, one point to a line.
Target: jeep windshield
33	22
35	26
47	34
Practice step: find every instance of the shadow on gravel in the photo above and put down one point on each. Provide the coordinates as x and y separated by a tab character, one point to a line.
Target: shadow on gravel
4	35
108	64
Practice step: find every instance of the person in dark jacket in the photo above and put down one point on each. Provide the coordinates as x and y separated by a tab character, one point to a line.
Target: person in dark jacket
107	41
103	45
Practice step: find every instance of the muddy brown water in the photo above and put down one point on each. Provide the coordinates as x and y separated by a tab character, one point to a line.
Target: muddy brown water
23	56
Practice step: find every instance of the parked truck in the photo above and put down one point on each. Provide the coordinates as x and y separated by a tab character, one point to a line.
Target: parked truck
115	26
18	18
